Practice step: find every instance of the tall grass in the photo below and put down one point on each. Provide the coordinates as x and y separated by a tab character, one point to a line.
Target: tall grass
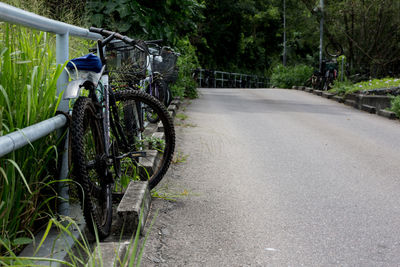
28	94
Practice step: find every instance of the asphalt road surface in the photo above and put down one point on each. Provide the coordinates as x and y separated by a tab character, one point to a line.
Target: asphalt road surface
272	177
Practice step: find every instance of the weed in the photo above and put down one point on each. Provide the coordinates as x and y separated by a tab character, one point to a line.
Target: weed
179	158
168	194
186	125
182	116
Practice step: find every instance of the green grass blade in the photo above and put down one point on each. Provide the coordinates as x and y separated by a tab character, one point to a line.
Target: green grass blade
21	174
46	233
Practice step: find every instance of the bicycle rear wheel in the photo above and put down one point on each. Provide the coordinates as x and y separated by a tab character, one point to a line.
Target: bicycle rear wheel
90	167
159	91
148	151
334	49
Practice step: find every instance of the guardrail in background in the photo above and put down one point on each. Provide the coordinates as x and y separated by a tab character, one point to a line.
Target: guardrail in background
16	140
220	79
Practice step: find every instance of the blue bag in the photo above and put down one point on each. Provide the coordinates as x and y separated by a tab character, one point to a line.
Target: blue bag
88	62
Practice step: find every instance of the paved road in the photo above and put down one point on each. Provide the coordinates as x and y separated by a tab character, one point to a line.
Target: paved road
280	178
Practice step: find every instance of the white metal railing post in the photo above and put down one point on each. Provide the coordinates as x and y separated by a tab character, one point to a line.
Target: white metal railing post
222	84
215	79
201	70
62	55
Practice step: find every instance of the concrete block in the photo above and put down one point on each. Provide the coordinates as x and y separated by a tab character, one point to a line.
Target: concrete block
160	127
136	201
349	102
177	103
57	244
388	114
147	164
338	99
172	108
368	108
295	87
108	254
327	95
309	90
317	92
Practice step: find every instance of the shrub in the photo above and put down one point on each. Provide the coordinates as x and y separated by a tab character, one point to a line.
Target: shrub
395	107
286	77
187	62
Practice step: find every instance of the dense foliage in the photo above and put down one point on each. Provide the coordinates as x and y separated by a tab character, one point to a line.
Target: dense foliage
286	77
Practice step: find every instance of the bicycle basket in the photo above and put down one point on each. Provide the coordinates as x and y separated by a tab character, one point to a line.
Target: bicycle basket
127	64
167	65
331	66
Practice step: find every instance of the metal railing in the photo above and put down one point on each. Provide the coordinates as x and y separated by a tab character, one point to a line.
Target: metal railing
221	79
16	140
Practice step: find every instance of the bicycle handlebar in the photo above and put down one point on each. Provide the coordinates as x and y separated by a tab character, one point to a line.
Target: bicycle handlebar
158	41
106	33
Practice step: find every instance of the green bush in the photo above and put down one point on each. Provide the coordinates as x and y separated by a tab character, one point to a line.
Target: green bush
395	107
185	86
286	77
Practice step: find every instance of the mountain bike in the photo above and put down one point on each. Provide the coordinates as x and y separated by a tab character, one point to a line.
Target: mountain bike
112	142
331	67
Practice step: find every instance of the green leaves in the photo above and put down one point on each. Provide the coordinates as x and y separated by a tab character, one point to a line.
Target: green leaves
167	20
286	77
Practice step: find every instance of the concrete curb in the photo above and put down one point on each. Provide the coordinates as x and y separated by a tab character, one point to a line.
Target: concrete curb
387	114
374	104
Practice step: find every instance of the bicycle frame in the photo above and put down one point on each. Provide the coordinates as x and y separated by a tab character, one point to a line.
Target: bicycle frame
101	94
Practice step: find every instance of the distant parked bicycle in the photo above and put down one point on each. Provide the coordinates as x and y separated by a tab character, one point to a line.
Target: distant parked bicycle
323	80
112	142
334	50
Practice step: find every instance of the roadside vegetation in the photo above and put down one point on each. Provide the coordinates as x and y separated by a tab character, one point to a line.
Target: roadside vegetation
347	87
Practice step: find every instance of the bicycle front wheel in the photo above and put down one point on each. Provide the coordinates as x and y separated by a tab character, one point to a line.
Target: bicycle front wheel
145	149
90	167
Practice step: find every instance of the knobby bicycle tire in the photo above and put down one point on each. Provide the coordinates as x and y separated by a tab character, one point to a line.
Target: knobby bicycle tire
159	92
156	141
333	49
87	148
